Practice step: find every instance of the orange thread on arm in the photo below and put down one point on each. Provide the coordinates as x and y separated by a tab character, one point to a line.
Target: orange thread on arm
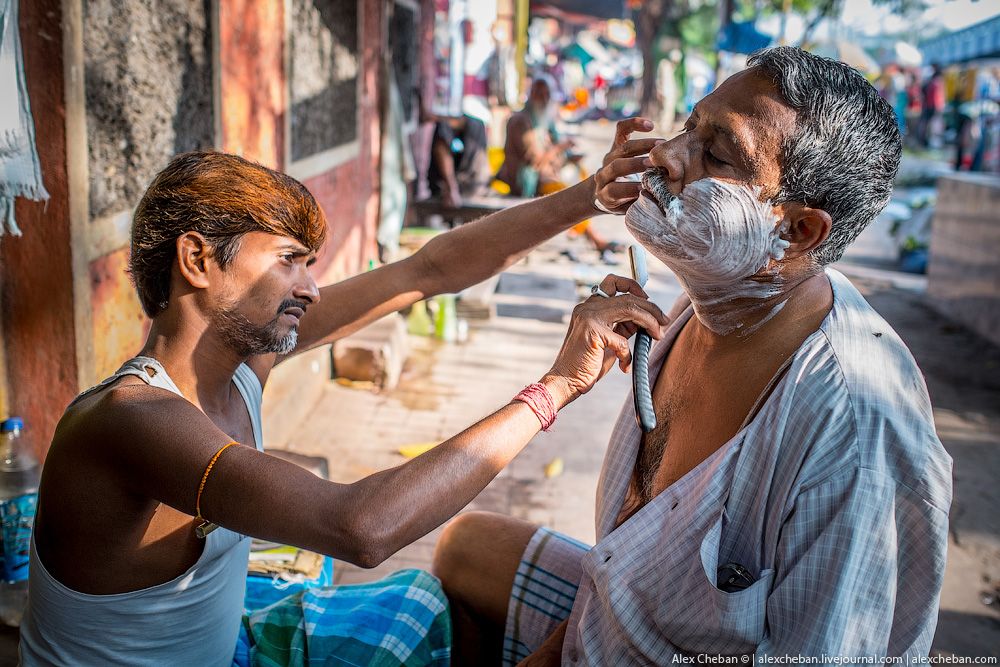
206	527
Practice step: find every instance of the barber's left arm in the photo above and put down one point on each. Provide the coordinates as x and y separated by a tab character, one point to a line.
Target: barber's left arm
472	253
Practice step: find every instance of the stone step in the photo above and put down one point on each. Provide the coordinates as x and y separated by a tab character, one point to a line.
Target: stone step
476	302
375	354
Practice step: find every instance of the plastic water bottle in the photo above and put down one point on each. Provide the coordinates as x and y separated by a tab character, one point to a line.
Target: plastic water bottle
446	319
419	322
19	475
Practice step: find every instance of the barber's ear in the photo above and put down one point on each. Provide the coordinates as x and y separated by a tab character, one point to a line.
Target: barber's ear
193	253
807	228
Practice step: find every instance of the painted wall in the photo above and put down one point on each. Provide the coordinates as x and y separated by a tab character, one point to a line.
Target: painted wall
39	289
253	89
349	192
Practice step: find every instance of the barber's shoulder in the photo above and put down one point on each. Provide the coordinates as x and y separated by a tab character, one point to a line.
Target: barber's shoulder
128	413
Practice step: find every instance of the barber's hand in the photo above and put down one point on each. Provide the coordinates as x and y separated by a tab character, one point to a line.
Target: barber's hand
598	334
627	156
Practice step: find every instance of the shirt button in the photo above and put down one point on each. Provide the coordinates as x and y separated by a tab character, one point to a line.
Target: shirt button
607	557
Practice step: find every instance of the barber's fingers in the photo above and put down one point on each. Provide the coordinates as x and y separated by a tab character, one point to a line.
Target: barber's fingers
626	308
614	194
634	147
617	345
617	197
619	167
630	125
626	329
615	284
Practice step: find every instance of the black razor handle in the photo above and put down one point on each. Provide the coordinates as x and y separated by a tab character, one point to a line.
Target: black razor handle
643	395
641	391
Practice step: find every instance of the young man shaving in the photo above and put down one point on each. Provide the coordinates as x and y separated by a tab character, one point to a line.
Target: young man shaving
156	477
793	498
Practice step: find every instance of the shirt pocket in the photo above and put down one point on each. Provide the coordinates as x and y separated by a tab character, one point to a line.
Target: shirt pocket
726	623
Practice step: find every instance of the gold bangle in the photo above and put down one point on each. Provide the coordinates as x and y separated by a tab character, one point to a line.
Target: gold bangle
206	527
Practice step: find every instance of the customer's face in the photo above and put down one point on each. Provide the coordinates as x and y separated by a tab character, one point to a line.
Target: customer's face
734	134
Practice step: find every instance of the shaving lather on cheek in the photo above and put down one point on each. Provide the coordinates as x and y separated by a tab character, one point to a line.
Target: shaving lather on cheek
723	244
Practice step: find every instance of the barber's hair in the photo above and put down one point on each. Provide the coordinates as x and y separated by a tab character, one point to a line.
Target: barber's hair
845	152
222	197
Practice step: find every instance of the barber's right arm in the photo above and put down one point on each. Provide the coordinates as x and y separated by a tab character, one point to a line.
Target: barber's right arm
367	521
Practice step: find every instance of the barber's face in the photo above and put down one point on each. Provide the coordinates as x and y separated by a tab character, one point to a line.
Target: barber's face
265	292
734	134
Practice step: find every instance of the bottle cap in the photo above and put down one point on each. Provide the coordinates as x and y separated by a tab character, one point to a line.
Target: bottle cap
12	424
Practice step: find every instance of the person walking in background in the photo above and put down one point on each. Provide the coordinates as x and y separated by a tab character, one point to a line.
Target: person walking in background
892	89
914	106
932	115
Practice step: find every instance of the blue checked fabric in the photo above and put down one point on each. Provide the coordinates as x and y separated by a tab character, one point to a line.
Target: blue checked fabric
400	620
835	496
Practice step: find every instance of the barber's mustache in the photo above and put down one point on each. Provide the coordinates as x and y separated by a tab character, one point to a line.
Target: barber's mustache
292	303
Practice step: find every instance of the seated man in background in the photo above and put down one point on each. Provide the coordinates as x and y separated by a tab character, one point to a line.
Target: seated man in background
793	497
535	154
458	166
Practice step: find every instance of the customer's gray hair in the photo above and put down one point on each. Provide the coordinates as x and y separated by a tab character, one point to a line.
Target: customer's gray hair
845	152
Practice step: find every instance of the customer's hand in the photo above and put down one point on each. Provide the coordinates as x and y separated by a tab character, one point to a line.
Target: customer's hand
598	334
627	156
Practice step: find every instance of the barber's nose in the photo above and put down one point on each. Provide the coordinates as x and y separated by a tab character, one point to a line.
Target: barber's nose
307	290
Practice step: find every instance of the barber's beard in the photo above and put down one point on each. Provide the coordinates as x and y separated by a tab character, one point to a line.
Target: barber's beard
247	338
722	243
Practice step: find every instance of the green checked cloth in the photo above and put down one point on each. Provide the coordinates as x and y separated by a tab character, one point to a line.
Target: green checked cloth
400	620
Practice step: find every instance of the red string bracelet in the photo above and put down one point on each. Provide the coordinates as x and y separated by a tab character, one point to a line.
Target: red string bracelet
537	397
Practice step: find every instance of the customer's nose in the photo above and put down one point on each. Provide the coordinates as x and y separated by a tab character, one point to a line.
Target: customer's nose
674	156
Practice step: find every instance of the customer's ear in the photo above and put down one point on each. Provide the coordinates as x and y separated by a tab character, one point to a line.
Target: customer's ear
193	252
806	228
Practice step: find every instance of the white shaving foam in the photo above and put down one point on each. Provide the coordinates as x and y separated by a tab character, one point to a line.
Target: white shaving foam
720	240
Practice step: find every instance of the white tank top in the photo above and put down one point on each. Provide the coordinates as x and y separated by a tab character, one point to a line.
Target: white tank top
191	620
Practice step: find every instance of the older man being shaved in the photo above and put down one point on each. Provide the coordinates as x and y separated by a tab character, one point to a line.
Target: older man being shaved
793	498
